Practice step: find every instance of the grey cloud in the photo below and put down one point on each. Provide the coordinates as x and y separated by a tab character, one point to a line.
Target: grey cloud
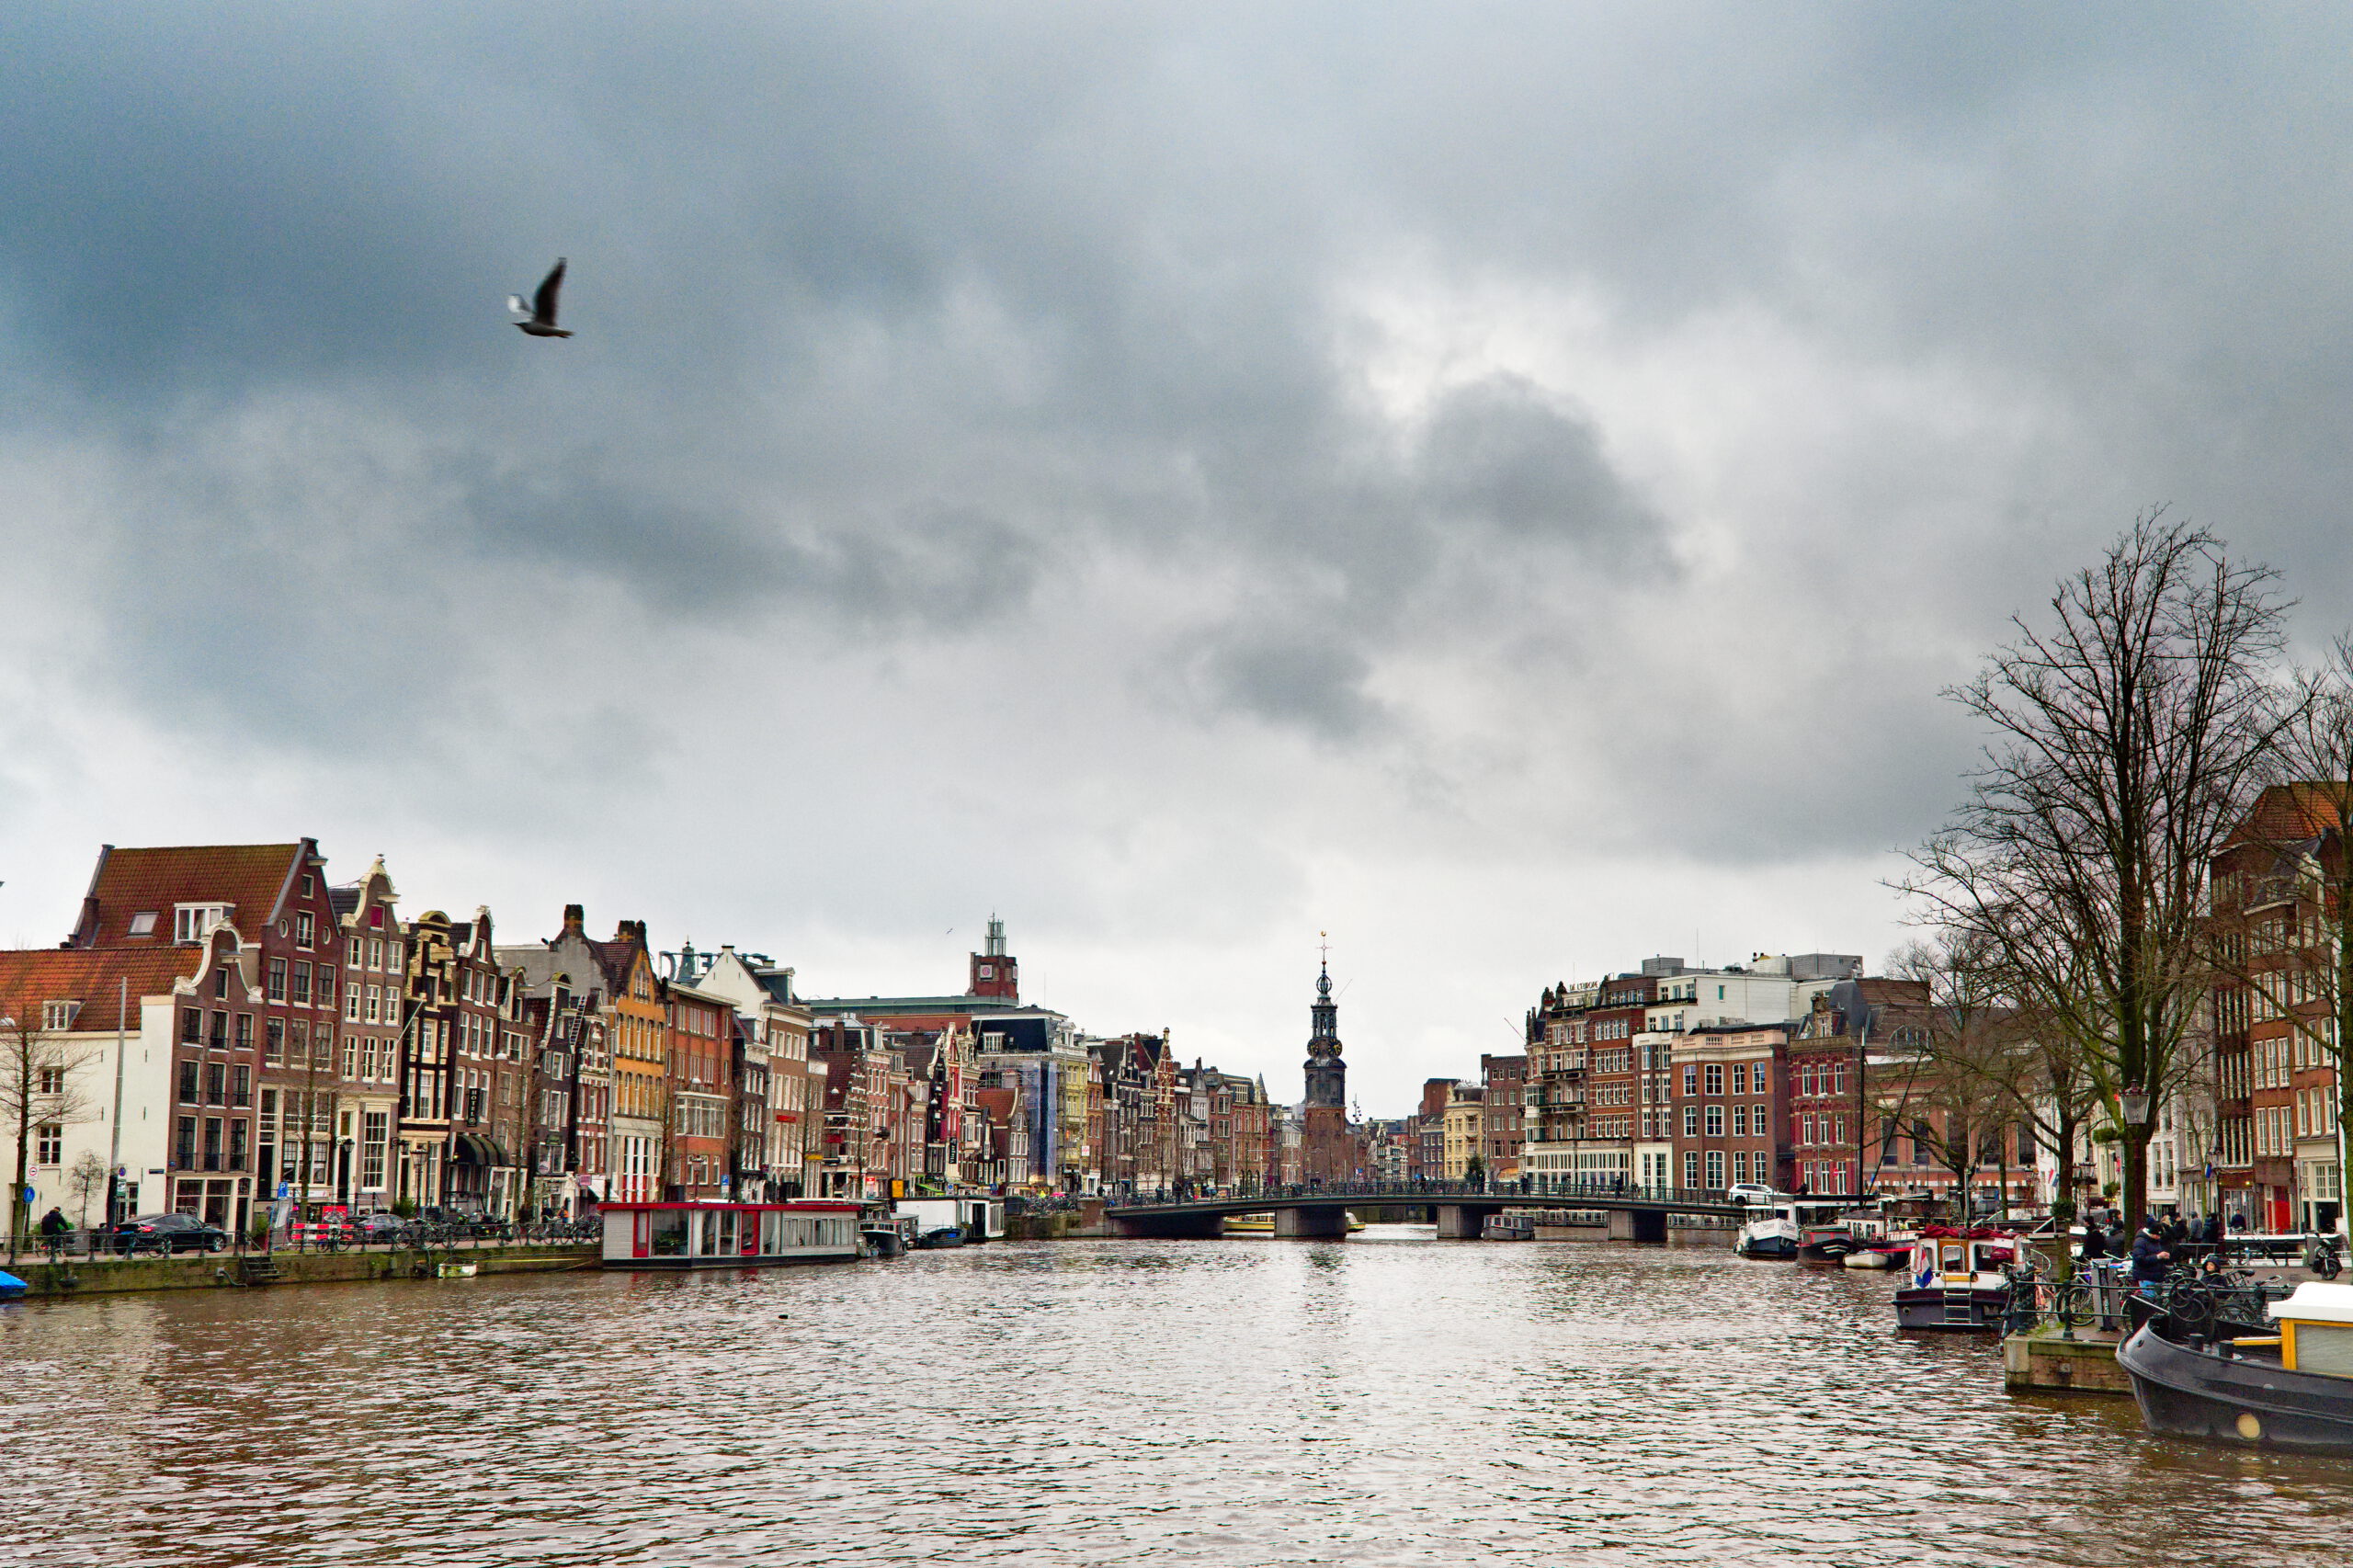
1501	452
1288	676
889	327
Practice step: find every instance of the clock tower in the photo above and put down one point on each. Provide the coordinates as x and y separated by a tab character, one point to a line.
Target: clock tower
1328	1153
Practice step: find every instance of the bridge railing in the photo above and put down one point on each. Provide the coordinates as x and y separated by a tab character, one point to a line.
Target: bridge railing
1523	1189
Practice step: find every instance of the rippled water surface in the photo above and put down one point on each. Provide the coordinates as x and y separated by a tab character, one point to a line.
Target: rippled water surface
1384	1400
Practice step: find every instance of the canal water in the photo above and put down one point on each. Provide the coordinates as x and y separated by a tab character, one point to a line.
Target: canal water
1386	1399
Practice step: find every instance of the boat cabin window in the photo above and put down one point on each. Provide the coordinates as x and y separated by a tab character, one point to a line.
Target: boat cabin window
666	1231
2324	1348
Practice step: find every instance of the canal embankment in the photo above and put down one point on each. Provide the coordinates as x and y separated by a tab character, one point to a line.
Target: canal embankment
212	1271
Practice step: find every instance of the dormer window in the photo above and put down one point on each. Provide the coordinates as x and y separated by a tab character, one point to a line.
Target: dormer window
194	922
59	1016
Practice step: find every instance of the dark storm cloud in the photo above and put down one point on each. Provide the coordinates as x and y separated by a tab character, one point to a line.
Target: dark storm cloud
894	321
1501	453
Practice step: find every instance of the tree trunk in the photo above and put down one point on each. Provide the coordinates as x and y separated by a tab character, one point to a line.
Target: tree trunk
2135	1197
2063	1200
20	1219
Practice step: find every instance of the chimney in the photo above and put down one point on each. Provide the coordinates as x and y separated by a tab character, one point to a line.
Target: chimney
575	920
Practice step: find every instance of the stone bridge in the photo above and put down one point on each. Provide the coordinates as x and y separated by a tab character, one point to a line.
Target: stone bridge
1636	1213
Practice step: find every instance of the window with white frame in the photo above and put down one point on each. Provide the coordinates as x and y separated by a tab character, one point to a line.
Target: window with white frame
194	922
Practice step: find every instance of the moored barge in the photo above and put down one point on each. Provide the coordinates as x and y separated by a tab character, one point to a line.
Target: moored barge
729	1236
2292	1390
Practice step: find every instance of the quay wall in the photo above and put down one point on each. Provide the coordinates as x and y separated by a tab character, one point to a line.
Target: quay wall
2044	1362
205	1271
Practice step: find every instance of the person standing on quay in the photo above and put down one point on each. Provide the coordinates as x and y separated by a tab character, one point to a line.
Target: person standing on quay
2150	1258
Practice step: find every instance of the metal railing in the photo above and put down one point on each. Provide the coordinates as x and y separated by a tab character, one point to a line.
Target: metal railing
2094	1298
101	1245
1606	1193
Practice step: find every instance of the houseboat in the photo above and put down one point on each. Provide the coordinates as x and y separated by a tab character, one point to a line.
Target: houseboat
1958	1281
729	1236
2291	1390
1792	1226
974	1216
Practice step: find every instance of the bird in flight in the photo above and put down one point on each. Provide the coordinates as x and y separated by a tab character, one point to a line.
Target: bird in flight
540	308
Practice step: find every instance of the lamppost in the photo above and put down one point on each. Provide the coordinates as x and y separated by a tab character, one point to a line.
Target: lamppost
2133	1105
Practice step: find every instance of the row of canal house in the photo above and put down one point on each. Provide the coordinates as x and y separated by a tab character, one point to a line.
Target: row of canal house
1673	1075
1655	1075
227	1030
231	1032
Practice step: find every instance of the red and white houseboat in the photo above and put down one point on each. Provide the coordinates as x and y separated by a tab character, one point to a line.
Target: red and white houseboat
729	1236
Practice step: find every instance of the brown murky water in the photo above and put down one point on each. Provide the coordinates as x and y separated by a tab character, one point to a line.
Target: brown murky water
1386	1399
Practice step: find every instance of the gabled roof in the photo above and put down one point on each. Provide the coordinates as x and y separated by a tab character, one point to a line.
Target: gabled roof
2290	814
618	959
93	977
252	879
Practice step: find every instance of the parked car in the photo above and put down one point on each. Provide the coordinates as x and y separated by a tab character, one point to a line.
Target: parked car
1751	1194
169	1233
380	1226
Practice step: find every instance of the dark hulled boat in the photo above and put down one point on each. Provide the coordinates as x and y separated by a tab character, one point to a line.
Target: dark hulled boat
2291	1390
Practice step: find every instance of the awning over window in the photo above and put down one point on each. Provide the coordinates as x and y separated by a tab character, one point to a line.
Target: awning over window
472	1149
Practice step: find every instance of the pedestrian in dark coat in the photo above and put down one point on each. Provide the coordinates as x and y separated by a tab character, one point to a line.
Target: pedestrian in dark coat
2151	1257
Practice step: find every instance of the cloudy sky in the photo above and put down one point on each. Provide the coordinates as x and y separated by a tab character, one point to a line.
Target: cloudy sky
1502	485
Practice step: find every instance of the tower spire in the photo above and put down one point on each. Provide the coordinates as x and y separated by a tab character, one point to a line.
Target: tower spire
1326	1155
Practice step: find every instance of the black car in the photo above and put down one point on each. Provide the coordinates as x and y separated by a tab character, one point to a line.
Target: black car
169	1233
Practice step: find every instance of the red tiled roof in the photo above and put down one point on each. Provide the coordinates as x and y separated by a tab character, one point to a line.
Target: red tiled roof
2290	814
92	977
251	878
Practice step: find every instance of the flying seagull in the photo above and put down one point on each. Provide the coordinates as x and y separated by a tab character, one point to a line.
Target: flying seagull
541	308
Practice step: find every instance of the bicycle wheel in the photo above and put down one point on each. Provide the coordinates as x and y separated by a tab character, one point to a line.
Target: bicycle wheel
2194	1311
2074	1305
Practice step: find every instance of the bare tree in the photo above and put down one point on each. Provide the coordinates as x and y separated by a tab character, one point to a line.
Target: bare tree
85	1181
38	1088
1960	1088
2127	735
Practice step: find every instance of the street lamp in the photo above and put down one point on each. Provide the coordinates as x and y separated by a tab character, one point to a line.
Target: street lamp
2133	1102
